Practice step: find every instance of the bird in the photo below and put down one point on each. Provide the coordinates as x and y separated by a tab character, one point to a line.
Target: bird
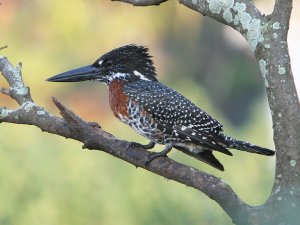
155	111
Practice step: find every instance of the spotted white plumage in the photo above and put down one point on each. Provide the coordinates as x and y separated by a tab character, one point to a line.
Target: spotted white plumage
168	108
179	122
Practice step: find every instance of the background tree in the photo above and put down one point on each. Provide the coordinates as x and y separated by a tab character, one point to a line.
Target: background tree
267	38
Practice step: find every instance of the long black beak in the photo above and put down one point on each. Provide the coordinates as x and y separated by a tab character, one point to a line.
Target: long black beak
80	74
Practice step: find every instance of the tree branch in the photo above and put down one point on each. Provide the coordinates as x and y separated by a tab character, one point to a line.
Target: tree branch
142	2
17	89
242	15
94	138
275	65
282	12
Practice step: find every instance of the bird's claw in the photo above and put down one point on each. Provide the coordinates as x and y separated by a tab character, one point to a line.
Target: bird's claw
138	145
152	156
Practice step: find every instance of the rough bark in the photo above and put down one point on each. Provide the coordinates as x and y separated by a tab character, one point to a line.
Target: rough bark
267	38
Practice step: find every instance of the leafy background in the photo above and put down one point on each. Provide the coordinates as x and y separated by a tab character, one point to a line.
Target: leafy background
46	179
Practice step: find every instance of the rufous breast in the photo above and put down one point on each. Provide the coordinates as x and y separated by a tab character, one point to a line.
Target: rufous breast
117	99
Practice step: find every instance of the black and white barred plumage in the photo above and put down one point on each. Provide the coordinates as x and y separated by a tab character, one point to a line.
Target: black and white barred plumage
156	111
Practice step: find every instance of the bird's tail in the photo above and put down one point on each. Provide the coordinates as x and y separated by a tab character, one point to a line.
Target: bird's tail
248	147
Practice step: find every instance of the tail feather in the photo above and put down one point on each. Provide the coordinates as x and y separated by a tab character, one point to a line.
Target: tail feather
248	147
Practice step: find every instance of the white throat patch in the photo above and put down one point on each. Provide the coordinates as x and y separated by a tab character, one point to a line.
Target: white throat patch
118	75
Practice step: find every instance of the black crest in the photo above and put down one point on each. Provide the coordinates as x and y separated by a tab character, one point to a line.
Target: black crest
129	59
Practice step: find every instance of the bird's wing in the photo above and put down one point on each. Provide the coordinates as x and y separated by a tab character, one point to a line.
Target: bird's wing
176	115
203	138
170	108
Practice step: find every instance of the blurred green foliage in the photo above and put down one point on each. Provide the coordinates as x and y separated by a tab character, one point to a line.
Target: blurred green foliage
46	179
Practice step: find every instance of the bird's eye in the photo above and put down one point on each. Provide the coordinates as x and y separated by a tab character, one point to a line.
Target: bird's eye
104	62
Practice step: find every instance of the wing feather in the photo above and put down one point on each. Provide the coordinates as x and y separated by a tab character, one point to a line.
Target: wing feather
168	106
200	138
175	113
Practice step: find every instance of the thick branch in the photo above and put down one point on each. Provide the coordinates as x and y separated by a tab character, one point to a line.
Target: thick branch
143	2
275	65
241	15
282	12
71	126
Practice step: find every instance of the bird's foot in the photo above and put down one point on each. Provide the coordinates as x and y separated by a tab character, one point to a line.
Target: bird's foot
138	145
154	155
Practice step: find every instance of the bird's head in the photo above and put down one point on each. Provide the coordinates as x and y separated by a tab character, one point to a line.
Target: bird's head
129	63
